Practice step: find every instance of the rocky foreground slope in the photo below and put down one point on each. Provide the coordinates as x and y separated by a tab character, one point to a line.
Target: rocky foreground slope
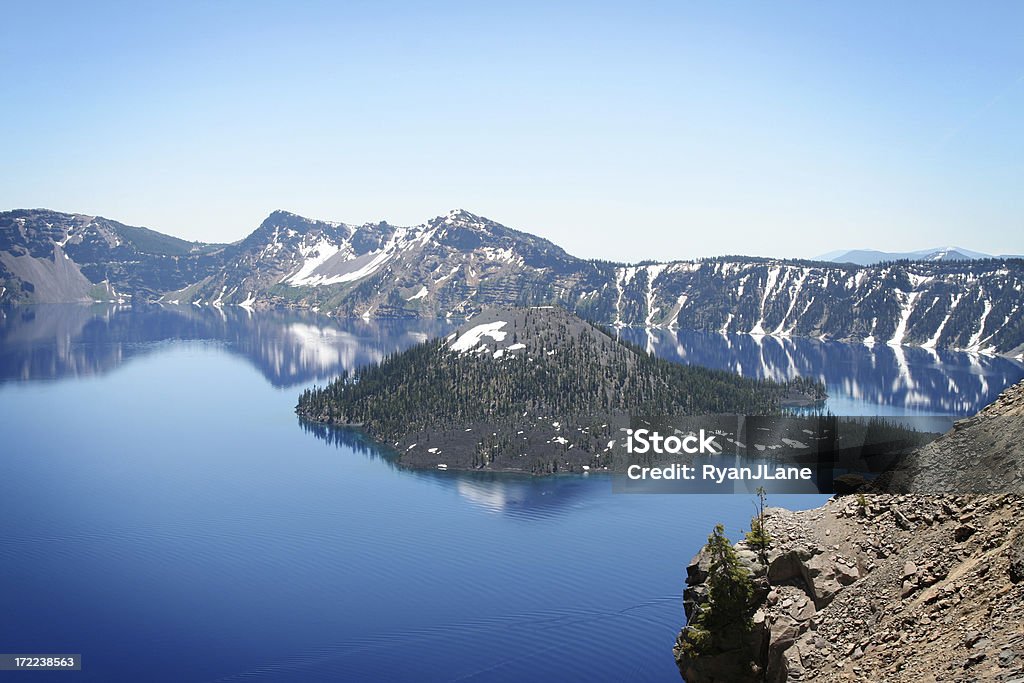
981	454
880	587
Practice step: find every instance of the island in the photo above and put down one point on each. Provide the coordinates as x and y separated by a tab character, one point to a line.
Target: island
533	390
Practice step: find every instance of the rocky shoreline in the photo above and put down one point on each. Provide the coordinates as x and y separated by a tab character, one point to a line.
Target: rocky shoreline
915	584
881	588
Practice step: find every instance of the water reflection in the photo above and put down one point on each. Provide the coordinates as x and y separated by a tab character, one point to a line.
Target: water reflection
350	439
515	495
524	496
289	347
860	379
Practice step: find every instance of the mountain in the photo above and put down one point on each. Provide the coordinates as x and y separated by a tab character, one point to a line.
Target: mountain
452	265
52	257
534	390
458	264
871	257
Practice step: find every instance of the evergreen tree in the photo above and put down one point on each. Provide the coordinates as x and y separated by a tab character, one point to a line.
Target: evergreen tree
758	537
725	617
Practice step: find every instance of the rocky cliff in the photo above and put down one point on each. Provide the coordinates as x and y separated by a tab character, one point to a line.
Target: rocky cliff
884	587
981	454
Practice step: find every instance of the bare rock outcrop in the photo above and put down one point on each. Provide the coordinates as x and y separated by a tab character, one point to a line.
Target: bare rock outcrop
884	588
981	454
897	587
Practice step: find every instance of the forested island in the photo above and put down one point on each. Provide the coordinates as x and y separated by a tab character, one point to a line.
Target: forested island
535	390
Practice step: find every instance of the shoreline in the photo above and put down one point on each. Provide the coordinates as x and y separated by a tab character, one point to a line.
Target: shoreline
879	587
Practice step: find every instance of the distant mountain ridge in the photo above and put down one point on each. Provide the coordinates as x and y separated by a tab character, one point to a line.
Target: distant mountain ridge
460	263
872	257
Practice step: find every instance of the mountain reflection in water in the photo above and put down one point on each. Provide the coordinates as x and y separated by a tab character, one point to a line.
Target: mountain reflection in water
289	347
292	348
860	379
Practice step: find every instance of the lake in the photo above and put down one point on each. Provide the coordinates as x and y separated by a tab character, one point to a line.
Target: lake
164	514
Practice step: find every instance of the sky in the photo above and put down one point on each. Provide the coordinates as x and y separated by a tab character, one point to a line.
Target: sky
622	131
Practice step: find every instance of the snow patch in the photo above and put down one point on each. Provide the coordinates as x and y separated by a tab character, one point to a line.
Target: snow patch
917	280
418	295
901	326
931	343
315	256
794	293
769	285
623	276
725	327
503	255
974	344
441	279
472	337
653	272
318	255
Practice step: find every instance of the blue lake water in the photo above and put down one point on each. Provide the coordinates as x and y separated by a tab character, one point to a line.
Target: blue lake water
163	512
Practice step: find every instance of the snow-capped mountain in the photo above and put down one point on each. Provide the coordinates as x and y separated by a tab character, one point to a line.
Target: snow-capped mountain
871	257
453	264
460	263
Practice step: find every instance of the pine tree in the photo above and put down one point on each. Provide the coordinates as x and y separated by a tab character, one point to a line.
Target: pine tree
758	537
730	591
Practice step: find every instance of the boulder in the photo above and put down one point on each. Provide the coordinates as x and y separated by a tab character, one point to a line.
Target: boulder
846	574
789	566
782	636
1016	568
822	580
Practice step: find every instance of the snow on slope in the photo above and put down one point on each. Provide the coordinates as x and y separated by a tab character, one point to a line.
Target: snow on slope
315	255
472	337
769	285
419	295
906	310
330	264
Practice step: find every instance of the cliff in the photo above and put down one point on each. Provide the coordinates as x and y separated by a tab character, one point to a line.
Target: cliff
981	454
885	587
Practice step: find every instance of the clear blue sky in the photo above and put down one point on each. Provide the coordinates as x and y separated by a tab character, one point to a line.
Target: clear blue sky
621	131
